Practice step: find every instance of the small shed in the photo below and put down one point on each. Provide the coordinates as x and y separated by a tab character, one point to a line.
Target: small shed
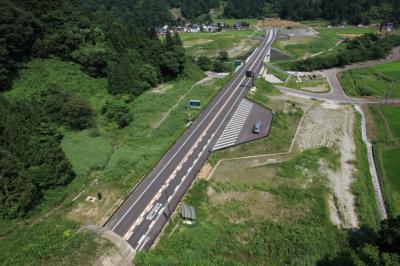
188	214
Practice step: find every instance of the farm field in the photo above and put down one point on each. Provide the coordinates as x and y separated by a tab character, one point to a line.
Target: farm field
316	85
327	41
106	159
372	81
251	211
384	132
237	43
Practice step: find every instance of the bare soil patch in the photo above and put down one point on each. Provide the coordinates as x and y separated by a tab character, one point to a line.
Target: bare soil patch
242	48
332	125
274	22
190	43
205	171
94	212
162	88
349	35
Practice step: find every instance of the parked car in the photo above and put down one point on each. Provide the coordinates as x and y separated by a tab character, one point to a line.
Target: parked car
257	128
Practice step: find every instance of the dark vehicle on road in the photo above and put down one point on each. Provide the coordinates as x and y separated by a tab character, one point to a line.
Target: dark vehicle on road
249	74
257	128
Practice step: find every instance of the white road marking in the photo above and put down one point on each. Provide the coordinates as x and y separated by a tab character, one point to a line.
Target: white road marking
270	37
232	131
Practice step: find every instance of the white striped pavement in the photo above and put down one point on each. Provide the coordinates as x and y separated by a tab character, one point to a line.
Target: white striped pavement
232	131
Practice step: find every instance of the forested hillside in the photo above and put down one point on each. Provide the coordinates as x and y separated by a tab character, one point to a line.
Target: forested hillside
337	11
131	58
61	28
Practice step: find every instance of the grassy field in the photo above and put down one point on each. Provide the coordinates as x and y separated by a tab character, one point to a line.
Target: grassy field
270	210
232	21
362	187
270	214
301	47
287	116
51	241
106	159
316	85
372	81
236	42
385	134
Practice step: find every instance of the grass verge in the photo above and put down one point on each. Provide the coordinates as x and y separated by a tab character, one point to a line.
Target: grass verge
372	81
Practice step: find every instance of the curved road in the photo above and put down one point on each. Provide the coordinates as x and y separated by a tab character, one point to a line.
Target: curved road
337	94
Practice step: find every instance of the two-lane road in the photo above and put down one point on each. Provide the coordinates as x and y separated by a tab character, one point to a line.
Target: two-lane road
144	213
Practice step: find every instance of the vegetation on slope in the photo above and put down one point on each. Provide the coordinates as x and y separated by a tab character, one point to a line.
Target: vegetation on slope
385	134
372	81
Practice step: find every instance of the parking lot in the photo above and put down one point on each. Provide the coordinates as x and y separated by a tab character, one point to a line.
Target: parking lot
240	128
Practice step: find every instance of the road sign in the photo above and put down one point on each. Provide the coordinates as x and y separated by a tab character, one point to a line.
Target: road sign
237	63
194	104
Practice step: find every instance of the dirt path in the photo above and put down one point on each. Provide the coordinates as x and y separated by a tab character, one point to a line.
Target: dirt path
323	125
332	125
209	78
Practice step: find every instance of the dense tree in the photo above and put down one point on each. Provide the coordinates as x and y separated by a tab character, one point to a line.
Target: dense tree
204	63
244	8
381	248
67	108
31	158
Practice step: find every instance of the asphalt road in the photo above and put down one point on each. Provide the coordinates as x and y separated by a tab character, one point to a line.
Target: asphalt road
147	209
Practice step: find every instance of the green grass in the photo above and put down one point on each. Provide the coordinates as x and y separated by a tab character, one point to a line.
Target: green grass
386	141
347	30
232	21
292	228
283	128
392	173
315	23
86	152
53	241
392	116
298	48
116	158
309	85
277	72
302	47
210	43
362	187
371	81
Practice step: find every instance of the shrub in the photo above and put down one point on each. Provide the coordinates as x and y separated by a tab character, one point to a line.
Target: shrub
365	91
117	111
67	109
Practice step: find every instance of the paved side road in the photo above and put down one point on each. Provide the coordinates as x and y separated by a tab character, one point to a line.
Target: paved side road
337	93
148	208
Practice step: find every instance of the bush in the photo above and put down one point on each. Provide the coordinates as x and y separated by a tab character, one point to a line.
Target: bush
67	109
204	63
219	66
93	62
365	91
117	111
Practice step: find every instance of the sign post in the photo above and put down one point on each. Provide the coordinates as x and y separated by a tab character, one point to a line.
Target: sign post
193	104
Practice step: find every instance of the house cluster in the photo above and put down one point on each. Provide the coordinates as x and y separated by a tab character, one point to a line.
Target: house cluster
197	27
